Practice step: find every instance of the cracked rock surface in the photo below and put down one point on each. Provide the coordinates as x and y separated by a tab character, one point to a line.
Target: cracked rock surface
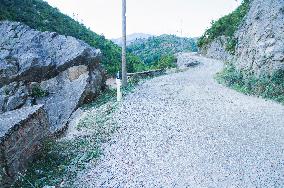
186	130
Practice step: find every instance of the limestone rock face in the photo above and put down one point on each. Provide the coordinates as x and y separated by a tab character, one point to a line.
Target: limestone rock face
261	38
260	48
59	72
217	49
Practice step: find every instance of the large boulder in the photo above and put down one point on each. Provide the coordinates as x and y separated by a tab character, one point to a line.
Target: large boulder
31	56
22	133
46	68
66	92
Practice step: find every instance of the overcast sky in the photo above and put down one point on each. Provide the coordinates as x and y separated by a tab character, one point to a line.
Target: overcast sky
188	18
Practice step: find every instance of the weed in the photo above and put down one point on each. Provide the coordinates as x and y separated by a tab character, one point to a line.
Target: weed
38	92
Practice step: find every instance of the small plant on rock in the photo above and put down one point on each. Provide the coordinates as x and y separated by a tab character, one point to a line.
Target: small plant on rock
38	92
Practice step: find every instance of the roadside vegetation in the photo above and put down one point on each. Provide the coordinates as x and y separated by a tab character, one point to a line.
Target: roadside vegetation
158	52
61	160
225	26
270	87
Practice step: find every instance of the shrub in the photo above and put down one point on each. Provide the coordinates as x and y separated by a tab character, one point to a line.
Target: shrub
268	86
38	92
153	49
165	62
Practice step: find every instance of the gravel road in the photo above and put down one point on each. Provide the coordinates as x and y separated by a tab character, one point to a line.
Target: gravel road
186	130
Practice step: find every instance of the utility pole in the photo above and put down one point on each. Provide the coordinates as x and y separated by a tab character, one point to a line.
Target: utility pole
123	55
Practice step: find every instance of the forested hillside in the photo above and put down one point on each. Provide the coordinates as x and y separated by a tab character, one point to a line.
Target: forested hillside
154	50
41	16
225	26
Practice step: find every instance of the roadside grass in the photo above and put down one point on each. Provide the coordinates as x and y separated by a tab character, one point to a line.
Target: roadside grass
269	87
62	159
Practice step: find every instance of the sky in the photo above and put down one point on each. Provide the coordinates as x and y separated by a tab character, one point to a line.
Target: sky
187	18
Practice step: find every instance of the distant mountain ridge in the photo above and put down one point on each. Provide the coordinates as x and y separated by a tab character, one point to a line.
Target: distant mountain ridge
131	38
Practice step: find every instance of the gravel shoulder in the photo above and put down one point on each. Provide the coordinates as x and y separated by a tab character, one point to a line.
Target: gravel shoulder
186	130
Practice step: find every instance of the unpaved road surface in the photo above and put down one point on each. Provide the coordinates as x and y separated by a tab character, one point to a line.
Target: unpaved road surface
186	130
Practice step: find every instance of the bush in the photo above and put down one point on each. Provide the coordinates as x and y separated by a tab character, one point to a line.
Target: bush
271	87
38	92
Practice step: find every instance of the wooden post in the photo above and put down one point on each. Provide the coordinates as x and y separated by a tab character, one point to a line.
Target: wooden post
123	55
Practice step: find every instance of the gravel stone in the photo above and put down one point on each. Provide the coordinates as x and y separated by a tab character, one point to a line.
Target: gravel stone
186	130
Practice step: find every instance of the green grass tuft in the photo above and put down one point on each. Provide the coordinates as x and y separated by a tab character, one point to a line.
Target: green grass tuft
270	87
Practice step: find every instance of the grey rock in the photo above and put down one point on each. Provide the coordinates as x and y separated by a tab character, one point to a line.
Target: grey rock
260	37
32	55
69	90
22	133
2	100
185	60
217	49
60	72
18	99
261	41
9	119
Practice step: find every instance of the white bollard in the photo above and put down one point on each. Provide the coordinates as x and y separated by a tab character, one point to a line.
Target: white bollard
118	88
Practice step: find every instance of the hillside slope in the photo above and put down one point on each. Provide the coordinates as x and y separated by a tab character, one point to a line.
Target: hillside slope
41	16
251	39
152	49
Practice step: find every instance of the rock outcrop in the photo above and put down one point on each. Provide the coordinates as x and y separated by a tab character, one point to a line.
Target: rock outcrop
260	40
260	46
46	68
217	49
22	133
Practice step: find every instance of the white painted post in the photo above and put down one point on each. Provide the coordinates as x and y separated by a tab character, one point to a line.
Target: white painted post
118	88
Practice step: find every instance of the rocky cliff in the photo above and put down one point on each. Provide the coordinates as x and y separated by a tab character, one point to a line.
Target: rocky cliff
46	68
260	46
259	40
217	49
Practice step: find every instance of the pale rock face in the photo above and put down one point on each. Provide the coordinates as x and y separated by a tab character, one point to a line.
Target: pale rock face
260	48
261	38
31	56
65	71
217	49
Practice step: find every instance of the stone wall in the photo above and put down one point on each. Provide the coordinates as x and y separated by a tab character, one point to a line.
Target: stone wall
22	133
